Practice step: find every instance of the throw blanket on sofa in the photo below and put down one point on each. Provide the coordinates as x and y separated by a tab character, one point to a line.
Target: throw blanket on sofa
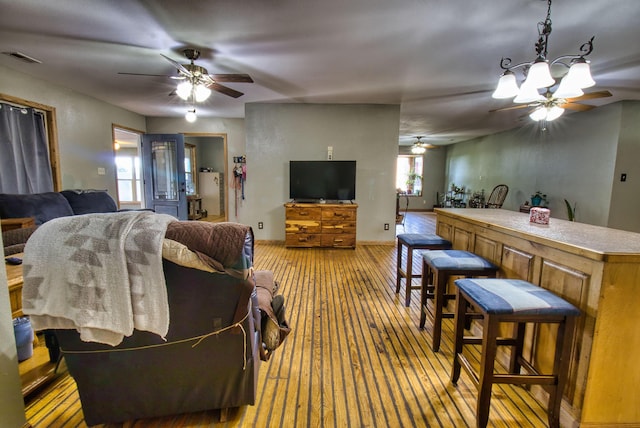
100	274
219	245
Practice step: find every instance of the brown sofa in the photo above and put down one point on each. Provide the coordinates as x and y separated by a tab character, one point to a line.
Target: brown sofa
145	376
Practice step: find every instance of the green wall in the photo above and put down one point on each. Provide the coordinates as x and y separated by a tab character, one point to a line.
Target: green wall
579	157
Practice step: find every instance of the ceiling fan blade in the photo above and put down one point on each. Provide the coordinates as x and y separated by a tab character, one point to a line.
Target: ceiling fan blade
576	107
236	78
179	66
590	96
512	107
143	74
225	90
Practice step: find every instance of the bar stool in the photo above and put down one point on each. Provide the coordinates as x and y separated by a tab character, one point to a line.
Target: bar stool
519	302
415	241
437	268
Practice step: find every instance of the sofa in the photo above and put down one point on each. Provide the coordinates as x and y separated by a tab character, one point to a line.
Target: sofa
43	207
210	357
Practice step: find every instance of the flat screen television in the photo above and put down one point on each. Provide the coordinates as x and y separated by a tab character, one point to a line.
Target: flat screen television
328	180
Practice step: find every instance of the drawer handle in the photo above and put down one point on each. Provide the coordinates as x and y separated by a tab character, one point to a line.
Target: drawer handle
303	213
337	214
302	239
338	241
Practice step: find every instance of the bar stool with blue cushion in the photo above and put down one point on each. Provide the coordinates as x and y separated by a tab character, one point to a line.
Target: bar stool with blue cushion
519	302
437	268
415	241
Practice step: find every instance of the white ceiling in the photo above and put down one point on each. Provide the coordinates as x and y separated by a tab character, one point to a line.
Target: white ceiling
438	59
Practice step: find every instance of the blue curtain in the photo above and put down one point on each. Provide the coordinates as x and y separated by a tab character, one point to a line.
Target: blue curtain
24	153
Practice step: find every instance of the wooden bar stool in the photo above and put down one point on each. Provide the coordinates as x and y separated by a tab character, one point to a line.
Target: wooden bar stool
519	302
437	268
415	241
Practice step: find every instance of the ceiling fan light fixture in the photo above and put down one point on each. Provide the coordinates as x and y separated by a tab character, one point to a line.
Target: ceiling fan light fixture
553	113
418	149
191	116
184	89
507	86
538	114
201	92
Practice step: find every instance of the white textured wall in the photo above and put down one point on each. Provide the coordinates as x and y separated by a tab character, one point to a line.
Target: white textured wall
85	140
278	133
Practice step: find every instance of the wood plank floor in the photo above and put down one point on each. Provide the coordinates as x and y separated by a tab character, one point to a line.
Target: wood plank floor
355	357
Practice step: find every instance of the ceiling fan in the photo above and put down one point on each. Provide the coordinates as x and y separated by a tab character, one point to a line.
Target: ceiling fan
548	103
419	147
198	77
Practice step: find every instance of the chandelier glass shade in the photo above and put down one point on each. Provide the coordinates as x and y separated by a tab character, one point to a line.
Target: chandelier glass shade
537	75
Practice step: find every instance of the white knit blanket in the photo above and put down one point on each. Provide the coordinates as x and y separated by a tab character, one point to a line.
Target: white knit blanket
100	274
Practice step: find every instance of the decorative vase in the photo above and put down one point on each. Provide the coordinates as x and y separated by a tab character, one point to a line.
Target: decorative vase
535	201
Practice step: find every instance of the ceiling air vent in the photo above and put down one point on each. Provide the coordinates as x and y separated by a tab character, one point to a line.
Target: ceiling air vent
23	57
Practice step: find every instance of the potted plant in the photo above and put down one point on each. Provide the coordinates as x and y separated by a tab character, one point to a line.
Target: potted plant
539	199
411	180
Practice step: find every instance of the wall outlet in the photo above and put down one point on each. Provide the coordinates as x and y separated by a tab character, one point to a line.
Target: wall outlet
102	171
386	226
260	225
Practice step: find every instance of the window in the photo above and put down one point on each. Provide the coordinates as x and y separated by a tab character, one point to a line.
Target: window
409	175
190	168
129	178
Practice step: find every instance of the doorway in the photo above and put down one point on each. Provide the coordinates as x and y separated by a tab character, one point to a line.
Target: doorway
211	173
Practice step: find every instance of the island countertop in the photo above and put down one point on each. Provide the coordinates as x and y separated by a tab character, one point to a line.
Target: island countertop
595	268
596	242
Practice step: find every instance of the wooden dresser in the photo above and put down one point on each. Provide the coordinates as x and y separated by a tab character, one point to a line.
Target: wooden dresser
595	268
320	225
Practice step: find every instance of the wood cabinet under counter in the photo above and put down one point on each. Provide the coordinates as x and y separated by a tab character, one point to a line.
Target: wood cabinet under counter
595	268
320	225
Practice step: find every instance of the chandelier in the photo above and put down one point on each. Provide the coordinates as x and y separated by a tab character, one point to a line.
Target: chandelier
537	75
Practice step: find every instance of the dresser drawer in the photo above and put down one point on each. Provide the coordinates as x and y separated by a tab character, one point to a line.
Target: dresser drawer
302	226
339	227
338	214
339	241
303	240
303	213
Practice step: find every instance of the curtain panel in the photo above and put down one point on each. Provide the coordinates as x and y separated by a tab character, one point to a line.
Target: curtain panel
25	166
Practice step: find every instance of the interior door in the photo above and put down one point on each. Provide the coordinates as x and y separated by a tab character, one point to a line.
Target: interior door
164	176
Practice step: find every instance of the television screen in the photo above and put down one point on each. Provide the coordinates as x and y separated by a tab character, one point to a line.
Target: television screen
329	180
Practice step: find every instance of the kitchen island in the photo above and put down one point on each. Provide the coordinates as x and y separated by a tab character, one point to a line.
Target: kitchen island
595	268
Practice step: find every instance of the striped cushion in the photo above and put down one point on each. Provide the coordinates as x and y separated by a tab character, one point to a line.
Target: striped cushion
456	259
510	296
421	239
